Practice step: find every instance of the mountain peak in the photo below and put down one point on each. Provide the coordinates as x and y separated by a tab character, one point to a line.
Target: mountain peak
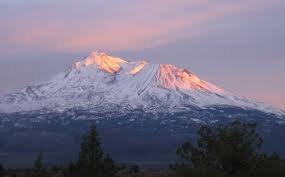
172	77
168	76
105	62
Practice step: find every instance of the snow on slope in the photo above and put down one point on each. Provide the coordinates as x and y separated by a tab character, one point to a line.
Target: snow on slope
102	80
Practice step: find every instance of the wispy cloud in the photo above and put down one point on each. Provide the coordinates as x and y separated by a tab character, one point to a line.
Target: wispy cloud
128	25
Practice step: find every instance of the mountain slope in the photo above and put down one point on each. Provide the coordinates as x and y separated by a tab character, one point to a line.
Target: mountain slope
100	80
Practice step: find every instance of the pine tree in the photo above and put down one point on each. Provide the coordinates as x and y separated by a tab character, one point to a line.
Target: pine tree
90	161
110	169
1	171
231	150
38	169
71	170
91	151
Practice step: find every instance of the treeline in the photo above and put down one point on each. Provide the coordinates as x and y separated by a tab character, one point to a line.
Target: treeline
231	150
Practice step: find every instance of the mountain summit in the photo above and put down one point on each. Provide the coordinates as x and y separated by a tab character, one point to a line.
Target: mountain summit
104	81
103	61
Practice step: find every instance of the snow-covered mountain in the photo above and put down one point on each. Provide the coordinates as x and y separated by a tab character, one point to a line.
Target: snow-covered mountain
104	81
143	111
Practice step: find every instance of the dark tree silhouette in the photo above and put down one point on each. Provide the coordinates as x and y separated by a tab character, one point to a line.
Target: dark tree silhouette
1	171
231	150
91	160
110	170
91	155
38	169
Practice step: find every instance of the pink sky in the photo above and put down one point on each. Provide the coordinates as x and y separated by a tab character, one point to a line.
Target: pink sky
146	24
250	29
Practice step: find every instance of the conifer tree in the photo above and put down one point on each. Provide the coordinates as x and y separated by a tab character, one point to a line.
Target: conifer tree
1	171
91	151
110	169
231	150
38	169
91	162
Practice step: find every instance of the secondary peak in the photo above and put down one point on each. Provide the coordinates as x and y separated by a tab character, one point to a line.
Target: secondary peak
105	62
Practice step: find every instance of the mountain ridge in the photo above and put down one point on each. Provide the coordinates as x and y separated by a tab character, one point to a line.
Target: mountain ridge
103	79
